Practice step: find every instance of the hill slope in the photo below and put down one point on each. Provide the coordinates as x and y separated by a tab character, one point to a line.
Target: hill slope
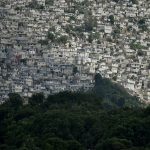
73	121
113	95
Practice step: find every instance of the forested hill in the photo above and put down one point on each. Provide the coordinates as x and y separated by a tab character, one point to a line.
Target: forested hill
75	121
113	95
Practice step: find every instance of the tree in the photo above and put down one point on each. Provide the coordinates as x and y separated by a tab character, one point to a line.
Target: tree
49	2
15	100
55	144
37	99
90	22
75	121
3	3
51	36
98	79
62	39
114	144
43	42
90	38
35	5
134	1
75	70
140	53
116	1
142	24
74	145
112	20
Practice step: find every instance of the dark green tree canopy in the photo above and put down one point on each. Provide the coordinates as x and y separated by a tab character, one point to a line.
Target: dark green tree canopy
95	120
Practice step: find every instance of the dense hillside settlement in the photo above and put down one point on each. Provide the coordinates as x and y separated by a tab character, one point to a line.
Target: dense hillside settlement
57	45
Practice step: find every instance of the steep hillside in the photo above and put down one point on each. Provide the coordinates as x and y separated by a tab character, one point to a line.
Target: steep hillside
113	95
44	40
74	121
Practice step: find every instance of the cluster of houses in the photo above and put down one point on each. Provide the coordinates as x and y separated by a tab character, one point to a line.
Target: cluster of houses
56	45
